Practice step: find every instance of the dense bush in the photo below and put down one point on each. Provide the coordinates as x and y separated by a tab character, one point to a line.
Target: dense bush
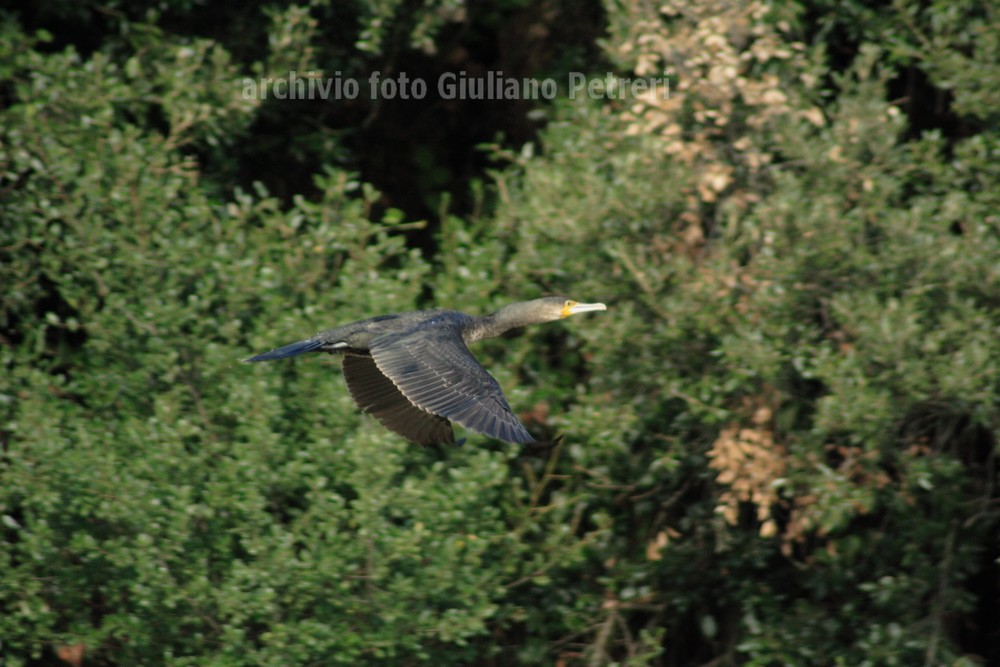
778	446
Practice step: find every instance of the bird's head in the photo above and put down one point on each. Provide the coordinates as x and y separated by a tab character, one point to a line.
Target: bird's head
546	309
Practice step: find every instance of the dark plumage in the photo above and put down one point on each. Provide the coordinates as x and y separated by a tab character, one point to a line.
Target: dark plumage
414	373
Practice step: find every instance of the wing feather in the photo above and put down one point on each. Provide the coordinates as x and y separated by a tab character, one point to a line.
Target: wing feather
432	367
378	396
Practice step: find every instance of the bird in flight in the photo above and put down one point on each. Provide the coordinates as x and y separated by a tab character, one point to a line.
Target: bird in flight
414	373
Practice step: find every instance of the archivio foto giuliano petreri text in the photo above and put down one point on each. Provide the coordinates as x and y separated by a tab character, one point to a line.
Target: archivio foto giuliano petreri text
453	86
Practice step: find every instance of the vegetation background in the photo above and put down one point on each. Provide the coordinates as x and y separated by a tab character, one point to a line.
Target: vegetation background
778	446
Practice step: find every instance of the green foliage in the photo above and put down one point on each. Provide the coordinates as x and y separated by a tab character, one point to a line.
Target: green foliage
151	508
846	317
161	501
778	446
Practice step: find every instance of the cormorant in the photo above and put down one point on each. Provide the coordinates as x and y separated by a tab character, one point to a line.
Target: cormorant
414	373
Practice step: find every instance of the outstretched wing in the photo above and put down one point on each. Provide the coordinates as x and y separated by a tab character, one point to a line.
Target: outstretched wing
434	369
378	396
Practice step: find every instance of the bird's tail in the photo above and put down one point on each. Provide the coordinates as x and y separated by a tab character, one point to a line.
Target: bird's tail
290	350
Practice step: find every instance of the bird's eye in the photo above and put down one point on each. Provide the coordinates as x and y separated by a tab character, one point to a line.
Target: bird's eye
569	304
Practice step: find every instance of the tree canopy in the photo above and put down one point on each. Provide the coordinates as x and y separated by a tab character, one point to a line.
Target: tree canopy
777	447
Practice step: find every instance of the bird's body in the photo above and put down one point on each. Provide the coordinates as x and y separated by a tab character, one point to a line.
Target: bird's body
415	374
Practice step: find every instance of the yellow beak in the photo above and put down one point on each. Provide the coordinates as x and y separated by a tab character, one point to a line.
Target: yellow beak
572	308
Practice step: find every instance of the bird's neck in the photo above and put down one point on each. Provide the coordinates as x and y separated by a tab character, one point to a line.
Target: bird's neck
490	326
485	326
493	325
